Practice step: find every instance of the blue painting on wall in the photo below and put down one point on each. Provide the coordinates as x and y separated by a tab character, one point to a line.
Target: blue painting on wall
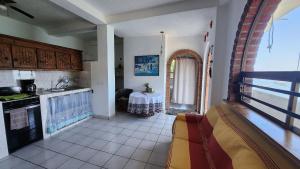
147	65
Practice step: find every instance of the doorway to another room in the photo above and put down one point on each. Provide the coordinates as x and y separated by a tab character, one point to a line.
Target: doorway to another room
184	81
119	63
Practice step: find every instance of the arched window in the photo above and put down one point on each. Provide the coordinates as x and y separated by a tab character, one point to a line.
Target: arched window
279	49
265	66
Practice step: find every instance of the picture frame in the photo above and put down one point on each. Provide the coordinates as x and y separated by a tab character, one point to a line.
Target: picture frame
146	65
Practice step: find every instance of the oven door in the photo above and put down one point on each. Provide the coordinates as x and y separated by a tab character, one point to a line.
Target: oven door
19	138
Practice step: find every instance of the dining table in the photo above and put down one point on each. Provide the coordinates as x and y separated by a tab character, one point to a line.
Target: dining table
145	104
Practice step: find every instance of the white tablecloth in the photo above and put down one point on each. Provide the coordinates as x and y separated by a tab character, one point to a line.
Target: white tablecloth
146	104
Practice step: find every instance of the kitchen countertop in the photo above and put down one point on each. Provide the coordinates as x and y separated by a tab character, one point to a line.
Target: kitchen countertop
61	93
44	98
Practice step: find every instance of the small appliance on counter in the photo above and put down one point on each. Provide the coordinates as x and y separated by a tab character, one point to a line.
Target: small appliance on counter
28	86
22	116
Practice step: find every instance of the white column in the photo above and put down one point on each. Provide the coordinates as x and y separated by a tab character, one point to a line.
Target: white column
103	73
3	140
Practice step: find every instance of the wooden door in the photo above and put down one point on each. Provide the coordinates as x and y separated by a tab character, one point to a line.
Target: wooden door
208	81
24	57
46	59
5	56
63	61
76	61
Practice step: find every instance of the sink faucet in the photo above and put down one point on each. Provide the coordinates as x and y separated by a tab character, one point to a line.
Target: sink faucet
64	81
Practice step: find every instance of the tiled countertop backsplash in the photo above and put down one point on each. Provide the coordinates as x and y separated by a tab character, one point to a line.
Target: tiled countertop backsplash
42	78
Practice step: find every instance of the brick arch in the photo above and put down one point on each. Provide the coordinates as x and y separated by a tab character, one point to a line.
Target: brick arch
199	65
254	20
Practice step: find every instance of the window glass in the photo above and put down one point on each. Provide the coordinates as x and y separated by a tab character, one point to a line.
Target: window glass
279	49
277	99
172	70
297	121
274	113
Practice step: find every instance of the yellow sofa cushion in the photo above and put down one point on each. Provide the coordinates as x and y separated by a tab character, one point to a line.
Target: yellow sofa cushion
218	140
184	155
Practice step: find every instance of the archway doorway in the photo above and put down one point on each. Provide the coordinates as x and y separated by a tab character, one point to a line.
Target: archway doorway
190	83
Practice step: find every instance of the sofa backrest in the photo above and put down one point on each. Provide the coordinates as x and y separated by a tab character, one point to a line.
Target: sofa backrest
228	150
209	121
233	143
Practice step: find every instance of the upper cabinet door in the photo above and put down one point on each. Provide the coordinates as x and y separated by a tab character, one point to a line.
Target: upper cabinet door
63	61
24	57
76	61
46	59
5	56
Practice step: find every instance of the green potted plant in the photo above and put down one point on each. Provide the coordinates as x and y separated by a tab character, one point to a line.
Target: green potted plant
148	88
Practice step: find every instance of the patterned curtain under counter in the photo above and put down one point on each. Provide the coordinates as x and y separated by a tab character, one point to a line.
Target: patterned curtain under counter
68	109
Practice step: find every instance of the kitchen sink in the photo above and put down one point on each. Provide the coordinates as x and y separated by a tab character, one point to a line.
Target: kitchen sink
63	89
56	90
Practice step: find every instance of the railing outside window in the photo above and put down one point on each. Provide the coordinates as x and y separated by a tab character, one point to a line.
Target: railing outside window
273	94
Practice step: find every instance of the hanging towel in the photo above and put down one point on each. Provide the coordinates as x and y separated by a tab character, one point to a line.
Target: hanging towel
18	119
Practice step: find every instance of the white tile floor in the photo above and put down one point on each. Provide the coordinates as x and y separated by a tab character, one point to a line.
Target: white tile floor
125	142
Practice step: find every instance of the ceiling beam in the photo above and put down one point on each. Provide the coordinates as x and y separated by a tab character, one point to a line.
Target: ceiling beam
180	6
72	30
90	13
82	9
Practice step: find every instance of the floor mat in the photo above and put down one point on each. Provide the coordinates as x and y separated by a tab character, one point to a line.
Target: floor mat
176	111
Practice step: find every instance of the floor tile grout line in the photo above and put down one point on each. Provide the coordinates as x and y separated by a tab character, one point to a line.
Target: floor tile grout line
28	161
67	156
130	158
147	162
155	142
163	125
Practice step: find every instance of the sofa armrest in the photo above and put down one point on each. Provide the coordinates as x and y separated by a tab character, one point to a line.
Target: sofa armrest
187	117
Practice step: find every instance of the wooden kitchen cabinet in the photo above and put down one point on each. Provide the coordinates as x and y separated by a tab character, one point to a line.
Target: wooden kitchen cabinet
5	56
21	54
46	59
76	61
6	40
24	57
63	61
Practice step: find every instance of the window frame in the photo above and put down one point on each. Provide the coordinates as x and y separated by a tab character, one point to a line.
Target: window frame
290	111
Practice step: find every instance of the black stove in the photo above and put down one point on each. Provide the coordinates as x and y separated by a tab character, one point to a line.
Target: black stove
12	100
9	94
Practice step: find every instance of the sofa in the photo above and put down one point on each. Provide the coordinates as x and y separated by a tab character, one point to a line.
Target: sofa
221	139
122	98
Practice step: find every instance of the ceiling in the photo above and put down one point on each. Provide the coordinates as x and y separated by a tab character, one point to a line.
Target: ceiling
187	23
129	17
283	8
111	7
47	14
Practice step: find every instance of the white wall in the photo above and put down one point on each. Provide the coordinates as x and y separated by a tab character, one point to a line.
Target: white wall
24	30
90	51
103	73
195	43
136	46
228	17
